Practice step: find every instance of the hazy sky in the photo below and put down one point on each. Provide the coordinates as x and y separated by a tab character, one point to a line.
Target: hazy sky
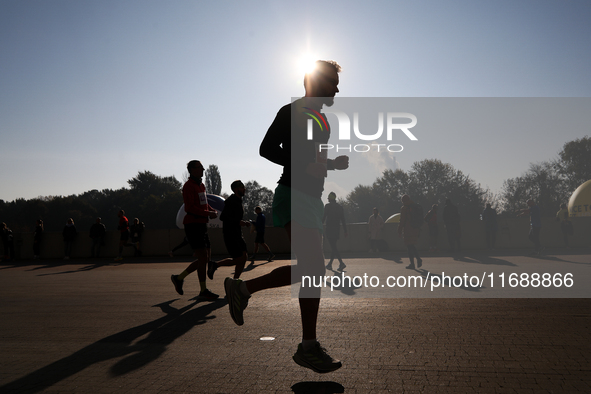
91	92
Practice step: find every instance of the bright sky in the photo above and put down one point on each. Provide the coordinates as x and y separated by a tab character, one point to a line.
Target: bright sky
91	92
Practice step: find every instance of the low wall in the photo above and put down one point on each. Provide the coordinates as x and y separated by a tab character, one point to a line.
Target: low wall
513	233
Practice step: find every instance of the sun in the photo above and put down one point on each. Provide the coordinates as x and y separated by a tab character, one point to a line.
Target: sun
306	63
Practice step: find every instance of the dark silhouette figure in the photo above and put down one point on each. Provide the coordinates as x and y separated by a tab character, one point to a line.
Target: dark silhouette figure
232	216
409	229
489	217
451	219
97	234
136	230
7	242
37	238
334	216
198	212
259	226
69	233
298	207
535	221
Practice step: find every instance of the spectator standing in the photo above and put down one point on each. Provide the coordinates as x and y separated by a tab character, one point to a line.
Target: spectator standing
489	217
37	238
136	230
69	234
97	233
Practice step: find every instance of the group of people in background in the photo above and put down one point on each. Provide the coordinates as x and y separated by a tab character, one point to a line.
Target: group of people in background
97	233
409	227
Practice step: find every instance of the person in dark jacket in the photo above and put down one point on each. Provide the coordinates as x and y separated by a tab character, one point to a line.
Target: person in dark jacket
334	216
136	231
97	233
37	239
69	233
7	242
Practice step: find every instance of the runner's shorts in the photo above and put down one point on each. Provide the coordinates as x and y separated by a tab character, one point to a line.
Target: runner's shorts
291	204
124	236
197	235
235	245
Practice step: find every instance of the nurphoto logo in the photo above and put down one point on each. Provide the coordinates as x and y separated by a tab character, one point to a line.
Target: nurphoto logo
344	132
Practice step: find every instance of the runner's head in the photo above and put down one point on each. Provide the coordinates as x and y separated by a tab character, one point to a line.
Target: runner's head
195	168
238	187
323	80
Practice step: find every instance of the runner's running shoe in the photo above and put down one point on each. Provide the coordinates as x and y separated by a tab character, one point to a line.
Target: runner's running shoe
178	283
208	295
211	268
317	359
236	299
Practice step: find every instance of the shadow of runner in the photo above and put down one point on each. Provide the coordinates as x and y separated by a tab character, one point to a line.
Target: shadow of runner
252	266
317	388
162	332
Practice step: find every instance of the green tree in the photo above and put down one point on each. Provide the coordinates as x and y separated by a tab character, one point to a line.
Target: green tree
256	195
146	183
213	180
542	183
574	164
428	182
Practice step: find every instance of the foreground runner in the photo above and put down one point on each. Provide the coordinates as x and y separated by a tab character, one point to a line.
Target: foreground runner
300	186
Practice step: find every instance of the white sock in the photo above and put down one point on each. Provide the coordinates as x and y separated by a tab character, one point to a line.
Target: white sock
307	344
243	289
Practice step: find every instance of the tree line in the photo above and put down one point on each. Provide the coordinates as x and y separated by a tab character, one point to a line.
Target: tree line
155	199
431	181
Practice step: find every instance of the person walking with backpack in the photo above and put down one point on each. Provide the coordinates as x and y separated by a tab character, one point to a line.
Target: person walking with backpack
409	229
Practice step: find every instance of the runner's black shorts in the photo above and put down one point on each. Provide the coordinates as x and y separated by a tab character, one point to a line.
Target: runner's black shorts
124	236
197	235
260	238
235	245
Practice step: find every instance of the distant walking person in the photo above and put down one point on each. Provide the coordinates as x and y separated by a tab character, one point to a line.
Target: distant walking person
69	234
334	216
431	219
451	219
37	239
409	229
97	234
489	217
566	226
136	230
123	228
198	213
7	242
260	225
535	222
231	217
300	187
374	229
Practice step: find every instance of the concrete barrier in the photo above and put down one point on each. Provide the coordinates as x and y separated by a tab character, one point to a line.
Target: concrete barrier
512	233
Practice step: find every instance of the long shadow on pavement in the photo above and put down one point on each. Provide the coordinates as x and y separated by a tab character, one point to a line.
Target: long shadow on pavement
317	388
161	332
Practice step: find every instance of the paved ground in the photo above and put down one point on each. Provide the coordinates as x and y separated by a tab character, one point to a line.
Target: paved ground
94	326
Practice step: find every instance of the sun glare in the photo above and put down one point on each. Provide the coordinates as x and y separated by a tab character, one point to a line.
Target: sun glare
306	64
